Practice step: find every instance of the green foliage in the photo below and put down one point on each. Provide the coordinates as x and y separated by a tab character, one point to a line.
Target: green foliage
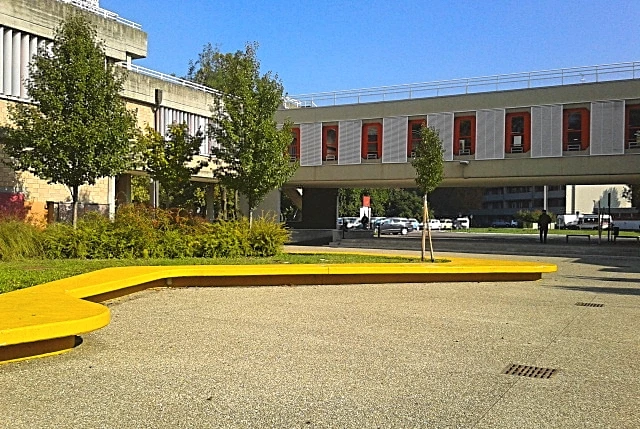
19	239
170	161
78	128
266	238
527	217
428	162
251	152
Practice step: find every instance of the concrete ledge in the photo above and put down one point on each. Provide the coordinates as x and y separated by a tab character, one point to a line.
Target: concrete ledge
47	319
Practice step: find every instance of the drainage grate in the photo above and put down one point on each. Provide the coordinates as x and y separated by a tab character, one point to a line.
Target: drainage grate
529	371
589	304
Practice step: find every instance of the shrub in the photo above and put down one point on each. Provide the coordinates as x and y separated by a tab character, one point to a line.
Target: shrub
19	239
266	238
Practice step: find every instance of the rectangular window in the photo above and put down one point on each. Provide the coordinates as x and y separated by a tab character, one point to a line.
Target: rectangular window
414	136
294	147
330	143
371	141
518	132
633	127
575	129
464	141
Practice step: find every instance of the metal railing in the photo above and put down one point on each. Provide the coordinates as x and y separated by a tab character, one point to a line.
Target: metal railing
92	7
167	77
503	82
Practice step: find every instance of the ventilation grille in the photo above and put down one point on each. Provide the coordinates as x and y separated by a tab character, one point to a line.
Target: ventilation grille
589	304
529	371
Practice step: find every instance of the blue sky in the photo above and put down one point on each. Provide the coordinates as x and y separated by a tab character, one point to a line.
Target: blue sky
327	45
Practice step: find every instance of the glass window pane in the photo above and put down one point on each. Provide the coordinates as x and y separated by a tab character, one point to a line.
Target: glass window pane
634	117
465	128
575	121
517	124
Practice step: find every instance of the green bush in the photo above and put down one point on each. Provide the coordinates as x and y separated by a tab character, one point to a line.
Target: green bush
19	239
266	238
141	232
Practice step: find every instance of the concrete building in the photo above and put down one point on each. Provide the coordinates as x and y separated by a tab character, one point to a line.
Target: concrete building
157	98
527	138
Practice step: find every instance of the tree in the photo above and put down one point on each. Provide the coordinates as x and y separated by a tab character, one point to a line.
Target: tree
170	161
429	165
250	152
77	129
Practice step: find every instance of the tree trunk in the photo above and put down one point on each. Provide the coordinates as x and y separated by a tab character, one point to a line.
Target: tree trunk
224	203
425	226
428	229
74	206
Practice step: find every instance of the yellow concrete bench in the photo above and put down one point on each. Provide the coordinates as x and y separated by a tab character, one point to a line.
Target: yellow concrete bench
47	318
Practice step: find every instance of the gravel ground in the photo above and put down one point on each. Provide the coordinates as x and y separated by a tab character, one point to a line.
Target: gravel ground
357	356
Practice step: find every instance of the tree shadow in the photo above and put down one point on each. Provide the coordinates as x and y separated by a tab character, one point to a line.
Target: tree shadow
603	289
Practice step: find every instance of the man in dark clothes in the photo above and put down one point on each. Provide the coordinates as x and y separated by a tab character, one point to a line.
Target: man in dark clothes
543	224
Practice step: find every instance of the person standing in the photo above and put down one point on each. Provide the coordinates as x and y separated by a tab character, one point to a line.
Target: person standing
543	224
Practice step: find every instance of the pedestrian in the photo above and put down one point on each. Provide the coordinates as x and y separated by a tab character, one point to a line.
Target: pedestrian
543	224
365	222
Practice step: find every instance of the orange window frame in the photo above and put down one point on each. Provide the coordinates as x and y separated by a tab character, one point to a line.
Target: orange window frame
457	136
294	146
584	128
412	141
366	143
325	146
509	133
630	131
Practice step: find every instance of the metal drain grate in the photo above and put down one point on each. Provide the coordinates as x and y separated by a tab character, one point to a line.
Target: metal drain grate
529	371
589	304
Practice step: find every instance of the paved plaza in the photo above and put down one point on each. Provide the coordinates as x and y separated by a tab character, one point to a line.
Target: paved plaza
358	356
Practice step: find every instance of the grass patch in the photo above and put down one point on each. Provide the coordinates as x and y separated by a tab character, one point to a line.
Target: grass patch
22	273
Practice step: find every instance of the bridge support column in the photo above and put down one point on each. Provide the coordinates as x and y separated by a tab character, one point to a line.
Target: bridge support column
319	208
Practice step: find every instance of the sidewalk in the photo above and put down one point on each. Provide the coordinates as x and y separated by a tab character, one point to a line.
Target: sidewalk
356	356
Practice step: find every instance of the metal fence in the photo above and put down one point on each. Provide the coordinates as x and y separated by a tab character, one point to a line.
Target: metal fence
503	82
63	212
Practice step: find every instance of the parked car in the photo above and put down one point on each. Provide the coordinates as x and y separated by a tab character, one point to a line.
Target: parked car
504	224
462	223
435	225
415	224
446	224
350	222
395	225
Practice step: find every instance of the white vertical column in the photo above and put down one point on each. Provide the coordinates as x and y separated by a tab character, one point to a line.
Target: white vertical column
7	59
24	64
15	64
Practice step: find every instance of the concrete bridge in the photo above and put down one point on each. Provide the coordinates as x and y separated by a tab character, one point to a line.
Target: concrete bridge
566	133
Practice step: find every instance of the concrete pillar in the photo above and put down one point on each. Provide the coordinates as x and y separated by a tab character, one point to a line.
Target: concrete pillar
268	208
123	189
319	208
209	197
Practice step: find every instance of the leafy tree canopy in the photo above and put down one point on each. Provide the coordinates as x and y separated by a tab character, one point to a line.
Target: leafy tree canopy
170	161
428	162
251	151
77	129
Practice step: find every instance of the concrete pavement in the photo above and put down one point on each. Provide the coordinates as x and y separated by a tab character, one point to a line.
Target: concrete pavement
357	356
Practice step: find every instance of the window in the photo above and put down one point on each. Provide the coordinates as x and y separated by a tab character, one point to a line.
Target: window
633	127
294	147
414	136
518	132
330	143
371	141
575	129
464	141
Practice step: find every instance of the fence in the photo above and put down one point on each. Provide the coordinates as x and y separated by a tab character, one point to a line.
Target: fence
63	212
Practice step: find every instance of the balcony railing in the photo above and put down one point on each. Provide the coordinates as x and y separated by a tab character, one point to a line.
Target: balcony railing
503	82
92	6
167	77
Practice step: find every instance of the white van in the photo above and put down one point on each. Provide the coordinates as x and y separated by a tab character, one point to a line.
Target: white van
434	224
462	223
